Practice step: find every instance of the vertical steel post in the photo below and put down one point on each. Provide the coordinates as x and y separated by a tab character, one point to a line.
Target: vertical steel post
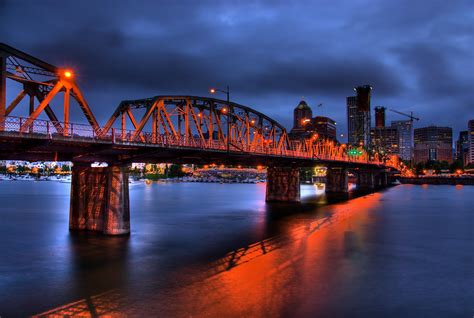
228	119
66	112
123	125
32	109
154	123
3	90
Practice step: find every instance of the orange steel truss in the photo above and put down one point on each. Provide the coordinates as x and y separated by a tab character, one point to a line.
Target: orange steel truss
43	83
165	121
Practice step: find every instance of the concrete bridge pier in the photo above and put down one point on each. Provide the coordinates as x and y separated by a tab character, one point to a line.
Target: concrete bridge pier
283	184
369	180
100	199
337	180
366	180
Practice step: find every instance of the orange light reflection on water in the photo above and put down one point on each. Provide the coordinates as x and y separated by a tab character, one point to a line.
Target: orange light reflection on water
262	279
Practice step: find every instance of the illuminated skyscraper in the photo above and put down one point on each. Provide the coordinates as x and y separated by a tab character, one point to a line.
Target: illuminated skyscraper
405	138
379	116
470	129
358	116
302	115
433	143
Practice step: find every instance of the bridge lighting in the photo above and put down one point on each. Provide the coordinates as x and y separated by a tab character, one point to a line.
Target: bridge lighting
252	121
68	73
212	91
224	110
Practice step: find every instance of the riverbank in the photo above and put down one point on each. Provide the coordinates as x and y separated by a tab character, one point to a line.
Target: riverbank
438	180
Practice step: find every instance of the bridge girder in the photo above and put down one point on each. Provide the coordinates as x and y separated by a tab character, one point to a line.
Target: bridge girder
44	83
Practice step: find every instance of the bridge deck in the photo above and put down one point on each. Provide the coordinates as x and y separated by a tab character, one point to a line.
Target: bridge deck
83	144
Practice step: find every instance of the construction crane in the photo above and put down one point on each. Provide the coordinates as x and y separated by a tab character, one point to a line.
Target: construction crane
405	114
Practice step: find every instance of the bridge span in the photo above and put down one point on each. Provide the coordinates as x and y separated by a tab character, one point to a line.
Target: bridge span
177	129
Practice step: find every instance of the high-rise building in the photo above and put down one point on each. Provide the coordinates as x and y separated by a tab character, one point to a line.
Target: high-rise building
301	116
433	143
405	138
379	116
385	139
358	116
304	126
470	129
325	127
462	147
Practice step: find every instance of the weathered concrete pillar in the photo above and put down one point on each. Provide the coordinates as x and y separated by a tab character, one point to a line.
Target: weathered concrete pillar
100	200
283	184
337	180
117	213
366	180
384	179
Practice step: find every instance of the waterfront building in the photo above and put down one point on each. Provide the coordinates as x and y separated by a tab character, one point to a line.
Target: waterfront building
325	127
462	147
405	138
385	140
302	115
379	116
433	143
304	125
470	126
358	116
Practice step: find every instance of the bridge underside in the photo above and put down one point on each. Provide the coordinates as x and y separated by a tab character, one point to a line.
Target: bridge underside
40	148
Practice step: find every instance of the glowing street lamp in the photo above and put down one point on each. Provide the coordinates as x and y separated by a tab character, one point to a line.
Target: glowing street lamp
224	110
68	74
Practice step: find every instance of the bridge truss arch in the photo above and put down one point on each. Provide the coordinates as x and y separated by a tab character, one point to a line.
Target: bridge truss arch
197	121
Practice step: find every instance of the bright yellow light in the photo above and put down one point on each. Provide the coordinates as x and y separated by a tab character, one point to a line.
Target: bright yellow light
68	74
224	110
212	91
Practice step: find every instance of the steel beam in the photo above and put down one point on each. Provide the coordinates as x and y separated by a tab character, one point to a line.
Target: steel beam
3	89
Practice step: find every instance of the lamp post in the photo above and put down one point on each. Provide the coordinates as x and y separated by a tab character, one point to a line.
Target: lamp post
227	92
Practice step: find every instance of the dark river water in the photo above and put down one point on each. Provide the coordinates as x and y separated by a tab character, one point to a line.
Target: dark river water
217	250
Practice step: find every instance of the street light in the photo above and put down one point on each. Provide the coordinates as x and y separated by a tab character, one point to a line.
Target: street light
224	110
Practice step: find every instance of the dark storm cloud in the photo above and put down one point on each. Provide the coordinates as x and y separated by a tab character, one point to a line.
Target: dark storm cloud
270	53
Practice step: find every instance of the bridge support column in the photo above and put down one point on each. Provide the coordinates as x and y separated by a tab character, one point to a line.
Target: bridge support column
100	200
366	180
283	184
384	179
337	180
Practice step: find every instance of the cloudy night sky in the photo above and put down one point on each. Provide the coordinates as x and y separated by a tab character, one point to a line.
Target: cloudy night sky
417	55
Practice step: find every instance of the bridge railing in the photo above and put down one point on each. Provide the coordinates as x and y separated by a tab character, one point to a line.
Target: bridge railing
71	131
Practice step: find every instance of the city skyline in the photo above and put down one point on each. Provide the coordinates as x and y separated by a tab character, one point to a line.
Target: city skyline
274	63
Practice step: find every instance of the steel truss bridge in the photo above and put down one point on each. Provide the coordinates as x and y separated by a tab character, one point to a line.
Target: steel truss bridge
171	128
179	129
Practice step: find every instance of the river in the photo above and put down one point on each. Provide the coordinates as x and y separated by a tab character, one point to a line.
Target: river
217	250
